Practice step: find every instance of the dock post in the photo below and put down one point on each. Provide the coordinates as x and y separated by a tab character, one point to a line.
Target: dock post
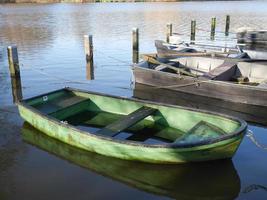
169	32
89	53
227	25
193	31
13	60
14	69
135	40
213	27
16	89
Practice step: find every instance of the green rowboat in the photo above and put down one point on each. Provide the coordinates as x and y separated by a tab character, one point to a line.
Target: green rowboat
133	129
181	181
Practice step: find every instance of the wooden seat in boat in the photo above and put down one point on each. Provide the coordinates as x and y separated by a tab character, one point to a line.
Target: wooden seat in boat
126	122
224	72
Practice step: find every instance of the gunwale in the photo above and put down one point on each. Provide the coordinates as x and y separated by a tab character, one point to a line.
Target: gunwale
210	82
182	147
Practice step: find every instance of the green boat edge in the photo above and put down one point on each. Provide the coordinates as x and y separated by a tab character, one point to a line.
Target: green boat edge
213	149
165	180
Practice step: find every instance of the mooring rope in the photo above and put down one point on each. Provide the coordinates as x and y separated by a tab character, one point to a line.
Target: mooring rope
254	187
204	30
70	81
196	83
57	77
116	59
8	111
251	136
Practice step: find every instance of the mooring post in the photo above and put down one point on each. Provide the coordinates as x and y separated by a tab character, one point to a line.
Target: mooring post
88	48
135	40
213	27
169	32
193	31
13	60
227	25
16	89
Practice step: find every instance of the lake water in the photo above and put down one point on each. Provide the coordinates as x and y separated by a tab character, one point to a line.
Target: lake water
50	43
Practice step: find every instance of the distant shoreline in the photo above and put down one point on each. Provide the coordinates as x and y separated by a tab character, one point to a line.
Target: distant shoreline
96	1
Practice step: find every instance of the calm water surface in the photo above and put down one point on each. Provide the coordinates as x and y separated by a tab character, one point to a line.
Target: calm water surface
50	42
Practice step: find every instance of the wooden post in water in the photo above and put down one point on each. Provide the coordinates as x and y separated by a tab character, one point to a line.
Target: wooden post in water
88	48
213	27
13	60
193	31
16	89
227	25
169	32
135	40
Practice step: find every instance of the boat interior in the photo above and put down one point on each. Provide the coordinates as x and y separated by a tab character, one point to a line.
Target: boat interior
169	50
125	119
242	72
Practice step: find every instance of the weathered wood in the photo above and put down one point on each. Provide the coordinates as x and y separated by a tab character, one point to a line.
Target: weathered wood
71	110
14	70
220	90
247	112
135	41
89	53
213	27
126	122
223	72
57	105
193	31
13	61
227	25
177	70
16	89
169	32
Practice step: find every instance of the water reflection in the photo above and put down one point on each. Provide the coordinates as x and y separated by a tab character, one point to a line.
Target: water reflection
210	180
251	113
253	187
16	89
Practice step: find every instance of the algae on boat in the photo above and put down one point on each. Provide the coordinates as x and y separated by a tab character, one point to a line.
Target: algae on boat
186	181
131	129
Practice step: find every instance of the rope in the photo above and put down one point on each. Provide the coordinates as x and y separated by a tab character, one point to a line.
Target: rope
196	83
254	187
200	29
8	111
70	81
205	36
108	56
251	136
57	77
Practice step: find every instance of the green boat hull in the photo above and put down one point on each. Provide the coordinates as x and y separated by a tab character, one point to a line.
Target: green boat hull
54	126
186	181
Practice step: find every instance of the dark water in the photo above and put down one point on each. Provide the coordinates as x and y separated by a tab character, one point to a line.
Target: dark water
50	42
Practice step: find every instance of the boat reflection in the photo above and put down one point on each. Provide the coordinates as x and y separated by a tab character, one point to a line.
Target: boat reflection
252	113
208	180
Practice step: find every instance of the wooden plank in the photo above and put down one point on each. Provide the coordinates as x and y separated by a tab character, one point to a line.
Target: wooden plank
213	89
126	122
178	70
65	112
223	72
70	101
160	67
251	113
59	104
